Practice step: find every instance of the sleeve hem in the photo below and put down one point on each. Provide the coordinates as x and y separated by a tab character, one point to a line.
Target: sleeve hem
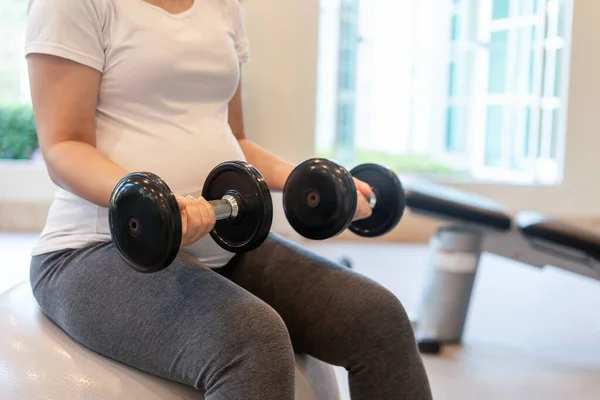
64	52
242	48
243	58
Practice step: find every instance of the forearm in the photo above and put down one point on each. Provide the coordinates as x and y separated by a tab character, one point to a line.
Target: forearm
83	170
274	169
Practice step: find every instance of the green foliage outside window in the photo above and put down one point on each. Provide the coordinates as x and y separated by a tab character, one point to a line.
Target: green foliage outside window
400	163
18	137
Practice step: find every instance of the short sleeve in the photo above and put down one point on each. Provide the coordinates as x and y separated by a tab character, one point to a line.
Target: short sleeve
70	29
238	16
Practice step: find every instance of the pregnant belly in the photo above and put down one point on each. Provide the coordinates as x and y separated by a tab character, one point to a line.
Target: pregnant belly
180	158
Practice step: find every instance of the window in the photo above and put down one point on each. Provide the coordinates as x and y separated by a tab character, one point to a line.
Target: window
467	89
13	75
18	138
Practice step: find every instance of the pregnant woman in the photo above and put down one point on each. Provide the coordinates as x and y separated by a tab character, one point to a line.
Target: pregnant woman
132	85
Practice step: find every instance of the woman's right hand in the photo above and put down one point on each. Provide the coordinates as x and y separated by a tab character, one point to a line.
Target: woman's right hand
197	219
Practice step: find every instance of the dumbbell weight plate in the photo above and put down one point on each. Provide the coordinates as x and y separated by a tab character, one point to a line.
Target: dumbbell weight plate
253	224
390	204
145	222
319	199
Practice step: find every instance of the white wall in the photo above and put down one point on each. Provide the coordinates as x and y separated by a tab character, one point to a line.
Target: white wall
24	182
280	81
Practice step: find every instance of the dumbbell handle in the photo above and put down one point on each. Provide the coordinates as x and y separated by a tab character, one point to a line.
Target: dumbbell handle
313	199
226	207
372	199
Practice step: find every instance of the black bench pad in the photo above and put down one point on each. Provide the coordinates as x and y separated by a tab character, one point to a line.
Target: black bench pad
445	202
536	225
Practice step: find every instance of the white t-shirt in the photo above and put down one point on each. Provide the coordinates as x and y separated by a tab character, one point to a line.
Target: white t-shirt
163	103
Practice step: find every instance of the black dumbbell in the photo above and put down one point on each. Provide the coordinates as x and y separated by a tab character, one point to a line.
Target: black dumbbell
145	219
320	198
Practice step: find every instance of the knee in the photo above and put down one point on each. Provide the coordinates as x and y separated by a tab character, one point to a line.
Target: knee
246	341
259	334
382	319
246	348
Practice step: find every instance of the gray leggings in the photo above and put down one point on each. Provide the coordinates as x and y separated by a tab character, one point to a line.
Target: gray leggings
232	333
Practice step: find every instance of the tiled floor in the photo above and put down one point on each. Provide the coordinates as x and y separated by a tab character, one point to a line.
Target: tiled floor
531	334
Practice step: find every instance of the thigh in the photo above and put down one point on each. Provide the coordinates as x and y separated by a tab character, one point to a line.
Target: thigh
329	310
181	323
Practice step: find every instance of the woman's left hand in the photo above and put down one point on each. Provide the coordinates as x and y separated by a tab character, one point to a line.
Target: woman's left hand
363	209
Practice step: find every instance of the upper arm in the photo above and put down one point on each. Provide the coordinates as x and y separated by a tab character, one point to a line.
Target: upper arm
65	57
64	95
